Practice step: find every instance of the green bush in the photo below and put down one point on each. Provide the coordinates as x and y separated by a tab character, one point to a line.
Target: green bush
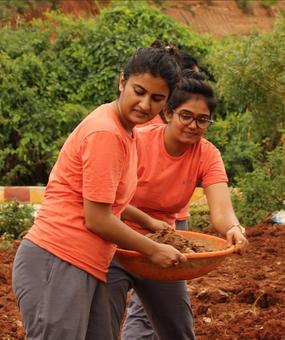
199	217
250	78
15	218
268	3
261	191
54	71
245	6
233	136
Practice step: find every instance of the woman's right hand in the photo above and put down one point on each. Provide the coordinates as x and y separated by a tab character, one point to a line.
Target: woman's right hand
166	256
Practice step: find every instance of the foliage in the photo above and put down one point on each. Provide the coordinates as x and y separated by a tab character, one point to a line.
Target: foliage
199	217
15	218
6	241
121	30
250	78
245	6
233	137
10	8
54	71
261	191
268	3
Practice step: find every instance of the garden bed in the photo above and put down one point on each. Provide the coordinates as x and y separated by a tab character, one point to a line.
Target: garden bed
242	299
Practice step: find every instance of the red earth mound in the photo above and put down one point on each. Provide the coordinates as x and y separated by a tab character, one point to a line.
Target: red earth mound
243	299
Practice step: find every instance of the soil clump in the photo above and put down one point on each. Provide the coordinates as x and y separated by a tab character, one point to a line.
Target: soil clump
184	245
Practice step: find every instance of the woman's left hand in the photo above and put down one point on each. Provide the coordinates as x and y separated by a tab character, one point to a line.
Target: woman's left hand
156	225
235	236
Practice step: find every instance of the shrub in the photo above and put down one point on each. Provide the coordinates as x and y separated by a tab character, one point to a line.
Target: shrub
199	217
54	71
234	138
268	3
15	218
261	191
250	78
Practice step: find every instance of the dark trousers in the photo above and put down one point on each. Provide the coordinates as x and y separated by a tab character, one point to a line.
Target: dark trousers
158	309
57	300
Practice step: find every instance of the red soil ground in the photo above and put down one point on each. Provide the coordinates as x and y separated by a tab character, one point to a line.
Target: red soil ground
243	299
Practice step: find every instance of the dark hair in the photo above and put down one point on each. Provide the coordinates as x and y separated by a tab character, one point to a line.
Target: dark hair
159	61
187	61
192	84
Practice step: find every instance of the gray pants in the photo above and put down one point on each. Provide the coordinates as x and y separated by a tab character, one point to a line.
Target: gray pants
166	312
137	322
57	300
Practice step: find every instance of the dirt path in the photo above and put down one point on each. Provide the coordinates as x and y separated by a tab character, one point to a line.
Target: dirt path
244	299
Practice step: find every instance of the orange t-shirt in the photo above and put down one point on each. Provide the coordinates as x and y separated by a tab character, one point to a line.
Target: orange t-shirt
98	162
166	183
183	214
155	120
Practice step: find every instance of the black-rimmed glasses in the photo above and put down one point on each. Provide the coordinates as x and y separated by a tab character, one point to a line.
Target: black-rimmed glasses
201	121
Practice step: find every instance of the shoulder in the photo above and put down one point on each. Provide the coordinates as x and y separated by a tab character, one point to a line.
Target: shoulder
102	120
155	120
150	134
149	130
100	127
149	138
208	147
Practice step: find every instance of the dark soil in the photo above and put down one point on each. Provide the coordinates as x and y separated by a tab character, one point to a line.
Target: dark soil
243	299
169	236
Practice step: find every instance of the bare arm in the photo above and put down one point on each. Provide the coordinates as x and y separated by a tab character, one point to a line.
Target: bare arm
100	220
136	215
223	216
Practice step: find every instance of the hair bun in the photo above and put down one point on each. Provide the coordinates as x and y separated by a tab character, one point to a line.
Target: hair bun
163	45
188	73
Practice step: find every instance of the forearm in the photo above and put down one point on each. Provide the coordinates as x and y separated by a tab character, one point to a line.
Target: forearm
221	210
222	221
100	219
112	229
136	215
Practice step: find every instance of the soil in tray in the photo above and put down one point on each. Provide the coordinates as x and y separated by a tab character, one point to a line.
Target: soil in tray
184	245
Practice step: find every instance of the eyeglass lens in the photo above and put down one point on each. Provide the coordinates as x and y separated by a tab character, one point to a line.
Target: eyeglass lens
202	122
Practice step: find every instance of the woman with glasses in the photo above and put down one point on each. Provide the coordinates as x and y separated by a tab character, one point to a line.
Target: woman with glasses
172	160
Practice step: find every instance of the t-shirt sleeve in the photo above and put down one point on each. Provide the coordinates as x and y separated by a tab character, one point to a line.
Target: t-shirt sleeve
102	155
213	169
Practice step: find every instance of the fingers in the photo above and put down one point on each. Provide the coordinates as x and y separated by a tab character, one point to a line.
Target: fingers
175	262
180	259
230	238
241	245
237	238
167	256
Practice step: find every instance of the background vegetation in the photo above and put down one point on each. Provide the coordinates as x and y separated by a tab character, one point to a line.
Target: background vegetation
15	219
56	70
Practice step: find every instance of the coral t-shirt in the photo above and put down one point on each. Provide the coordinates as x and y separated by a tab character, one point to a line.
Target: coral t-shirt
98	162
155	120
184	213
166	183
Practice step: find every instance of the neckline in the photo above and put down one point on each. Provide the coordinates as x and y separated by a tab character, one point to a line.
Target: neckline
131	136
163	147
